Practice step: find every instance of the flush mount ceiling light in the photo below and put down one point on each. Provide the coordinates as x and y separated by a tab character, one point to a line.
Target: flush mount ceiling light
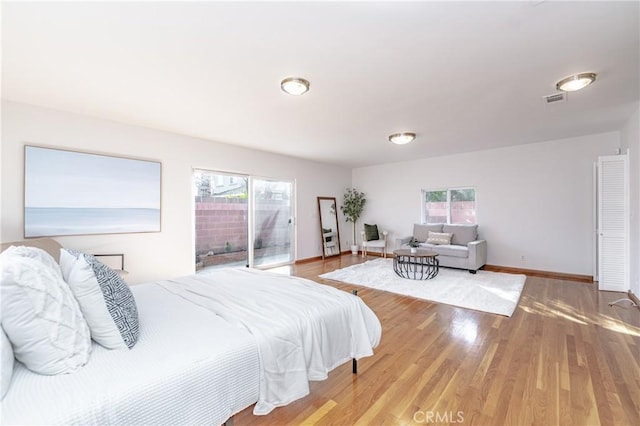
402	138
576	82
295	86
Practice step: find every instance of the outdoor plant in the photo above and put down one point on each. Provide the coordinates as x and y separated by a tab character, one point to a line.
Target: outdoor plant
352	207
257	244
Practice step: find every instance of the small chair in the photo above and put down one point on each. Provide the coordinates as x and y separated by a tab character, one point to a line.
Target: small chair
371	239
330	247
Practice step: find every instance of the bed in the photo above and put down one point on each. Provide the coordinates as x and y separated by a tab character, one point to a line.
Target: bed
210	345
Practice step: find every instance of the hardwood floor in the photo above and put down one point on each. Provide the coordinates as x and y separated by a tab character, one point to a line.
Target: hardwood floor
564	358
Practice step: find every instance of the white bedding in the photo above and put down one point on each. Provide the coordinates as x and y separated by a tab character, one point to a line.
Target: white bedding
303	329
209	346
188	367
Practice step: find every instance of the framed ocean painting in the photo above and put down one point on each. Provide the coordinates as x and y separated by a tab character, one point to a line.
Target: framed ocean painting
77	193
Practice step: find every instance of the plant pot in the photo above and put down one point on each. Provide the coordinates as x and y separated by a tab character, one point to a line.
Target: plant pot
414	250
354	249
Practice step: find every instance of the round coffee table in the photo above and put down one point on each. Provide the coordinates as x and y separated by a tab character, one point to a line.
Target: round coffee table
421	265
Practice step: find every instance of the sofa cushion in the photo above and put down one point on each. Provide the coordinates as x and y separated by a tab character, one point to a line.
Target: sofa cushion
439	238
452	251
423	246
462	234
421	232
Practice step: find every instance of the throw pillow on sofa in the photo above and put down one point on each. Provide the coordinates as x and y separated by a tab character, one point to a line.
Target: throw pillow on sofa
104	297
40	316
439	238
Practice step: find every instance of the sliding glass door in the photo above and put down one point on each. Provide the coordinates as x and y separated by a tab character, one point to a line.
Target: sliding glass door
273	231
221	219
232	210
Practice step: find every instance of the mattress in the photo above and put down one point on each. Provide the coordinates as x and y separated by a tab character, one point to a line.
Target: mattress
189	366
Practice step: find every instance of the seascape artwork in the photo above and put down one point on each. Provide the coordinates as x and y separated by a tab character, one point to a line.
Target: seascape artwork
75	193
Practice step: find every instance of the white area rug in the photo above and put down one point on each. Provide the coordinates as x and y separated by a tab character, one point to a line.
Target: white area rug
492	292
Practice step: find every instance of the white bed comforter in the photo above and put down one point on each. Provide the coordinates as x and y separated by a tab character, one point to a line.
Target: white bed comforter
303	329
189	367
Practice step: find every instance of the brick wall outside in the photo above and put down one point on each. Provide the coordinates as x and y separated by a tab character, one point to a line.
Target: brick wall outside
461	211
220	220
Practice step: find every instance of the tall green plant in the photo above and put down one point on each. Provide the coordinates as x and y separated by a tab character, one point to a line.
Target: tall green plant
352	207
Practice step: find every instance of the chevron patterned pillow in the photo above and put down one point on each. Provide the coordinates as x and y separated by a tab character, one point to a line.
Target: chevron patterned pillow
105	299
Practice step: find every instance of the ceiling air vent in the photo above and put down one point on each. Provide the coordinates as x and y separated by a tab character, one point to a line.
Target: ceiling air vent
555	98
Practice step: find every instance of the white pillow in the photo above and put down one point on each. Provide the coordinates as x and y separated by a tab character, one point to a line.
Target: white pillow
105	299
439	238
7	364
37	254
40	315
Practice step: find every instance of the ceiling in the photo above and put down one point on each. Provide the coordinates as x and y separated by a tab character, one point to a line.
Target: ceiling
463	76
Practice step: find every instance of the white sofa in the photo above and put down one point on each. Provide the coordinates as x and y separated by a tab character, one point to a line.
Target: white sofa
466	251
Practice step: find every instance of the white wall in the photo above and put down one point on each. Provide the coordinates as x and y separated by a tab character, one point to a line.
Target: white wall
170	252
630	139
533	200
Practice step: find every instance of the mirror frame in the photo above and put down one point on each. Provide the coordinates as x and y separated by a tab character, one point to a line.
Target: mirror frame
337	230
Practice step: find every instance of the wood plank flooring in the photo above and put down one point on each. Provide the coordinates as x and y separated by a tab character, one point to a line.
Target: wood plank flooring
564	358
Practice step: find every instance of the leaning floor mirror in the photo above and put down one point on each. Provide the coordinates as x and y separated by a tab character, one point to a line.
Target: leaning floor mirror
329	226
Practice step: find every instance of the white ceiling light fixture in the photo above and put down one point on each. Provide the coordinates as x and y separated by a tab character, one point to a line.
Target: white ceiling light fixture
295	86
576	82
402	138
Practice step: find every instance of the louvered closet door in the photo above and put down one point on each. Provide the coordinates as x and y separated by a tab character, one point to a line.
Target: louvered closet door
613	223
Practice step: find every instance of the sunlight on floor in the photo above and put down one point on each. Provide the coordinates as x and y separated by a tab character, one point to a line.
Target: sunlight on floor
465	330
553	308
621	328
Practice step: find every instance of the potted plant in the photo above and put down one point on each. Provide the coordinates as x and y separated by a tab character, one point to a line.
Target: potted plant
414	244
352	207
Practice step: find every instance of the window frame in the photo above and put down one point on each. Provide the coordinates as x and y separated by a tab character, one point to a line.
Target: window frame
423	202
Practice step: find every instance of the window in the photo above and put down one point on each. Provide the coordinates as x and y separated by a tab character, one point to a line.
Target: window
449	205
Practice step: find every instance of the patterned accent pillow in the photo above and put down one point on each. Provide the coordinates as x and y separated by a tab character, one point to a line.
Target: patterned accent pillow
41	317
442	238
104	297
371	232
